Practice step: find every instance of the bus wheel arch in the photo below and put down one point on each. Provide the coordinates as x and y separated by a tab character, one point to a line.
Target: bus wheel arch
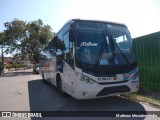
59	85
58	79
43	75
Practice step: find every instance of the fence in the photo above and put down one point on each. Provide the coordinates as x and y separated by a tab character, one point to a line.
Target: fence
148	56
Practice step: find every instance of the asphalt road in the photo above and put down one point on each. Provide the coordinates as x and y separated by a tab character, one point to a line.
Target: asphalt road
23	91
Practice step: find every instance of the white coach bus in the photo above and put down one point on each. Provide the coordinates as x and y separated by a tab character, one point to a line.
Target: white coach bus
91	59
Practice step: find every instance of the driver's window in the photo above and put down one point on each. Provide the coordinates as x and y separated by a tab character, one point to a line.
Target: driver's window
71	54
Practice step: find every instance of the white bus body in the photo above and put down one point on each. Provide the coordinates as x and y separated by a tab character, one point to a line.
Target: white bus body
112	69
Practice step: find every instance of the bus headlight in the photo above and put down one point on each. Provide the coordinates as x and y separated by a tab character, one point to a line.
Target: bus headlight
135	75
86	80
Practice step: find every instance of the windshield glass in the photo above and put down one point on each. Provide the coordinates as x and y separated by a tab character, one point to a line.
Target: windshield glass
88	45
122	44
110	46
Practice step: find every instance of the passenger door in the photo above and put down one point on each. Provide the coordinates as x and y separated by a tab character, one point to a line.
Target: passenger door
68	66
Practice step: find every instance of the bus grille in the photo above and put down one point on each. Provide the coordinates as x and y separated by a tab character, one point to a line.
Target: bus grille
112	90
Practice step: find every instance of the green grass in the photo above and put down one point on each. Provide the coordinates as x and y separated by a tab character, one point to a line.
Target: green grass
139	98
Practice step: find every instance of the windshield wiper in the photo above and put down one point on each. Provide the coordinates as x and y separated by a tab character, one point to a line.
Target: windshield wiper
103	46
100	54
114	44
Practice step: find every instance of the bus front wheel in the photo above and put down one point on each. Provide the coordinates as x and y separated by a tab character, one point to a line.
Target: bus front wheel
60	87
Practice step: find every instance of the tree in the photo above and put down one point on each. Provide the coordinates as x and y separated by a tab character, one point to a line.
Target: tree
14	34
27	38
2	38
2	45
37	35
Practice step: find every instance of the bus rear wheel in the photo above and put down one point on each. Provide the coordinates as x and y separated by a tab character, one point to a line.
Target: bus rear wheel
43	78
43	75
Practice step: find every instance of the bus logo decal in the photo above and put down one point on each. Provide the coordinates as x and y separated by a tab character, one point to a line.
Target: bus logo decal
88	44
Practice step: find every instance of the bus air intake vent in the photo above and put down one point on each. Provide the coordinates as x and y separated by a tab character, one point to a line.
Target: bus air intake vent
112	90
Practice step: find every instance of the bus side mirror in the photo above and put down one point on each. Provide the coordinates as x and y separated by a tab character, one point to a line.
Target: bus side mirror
71	36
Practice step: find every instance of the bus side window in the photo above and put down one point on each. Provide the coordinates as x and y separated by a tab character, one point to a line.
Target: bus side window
44	54
66	49
71	54
68	52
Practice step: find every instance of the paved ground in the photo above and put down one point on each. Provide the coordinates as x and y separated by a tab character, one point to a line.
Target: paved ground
23	91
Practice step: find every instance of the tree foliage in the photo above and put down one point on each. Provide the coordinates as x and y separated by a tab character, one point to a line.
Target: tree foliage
2	39
27	38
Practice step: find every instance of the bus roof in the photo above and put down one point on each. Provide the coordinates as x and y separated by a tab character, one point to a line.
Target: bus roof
82	20
99	21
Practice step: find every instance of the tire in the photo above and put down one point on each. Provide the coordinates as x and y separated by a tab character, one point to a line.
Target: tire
60	87
43	77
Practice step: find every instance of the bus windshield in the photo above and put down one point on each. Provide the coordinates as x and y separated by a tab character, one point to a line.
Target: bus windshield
112	46
88	45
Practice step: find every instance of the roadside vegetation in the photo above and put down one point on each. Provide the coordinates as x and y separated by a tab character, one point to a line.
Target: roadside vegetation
26	39
145	98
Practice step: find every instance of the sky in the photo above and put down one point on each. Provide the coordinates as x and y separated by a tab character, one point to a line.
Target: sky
141	16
